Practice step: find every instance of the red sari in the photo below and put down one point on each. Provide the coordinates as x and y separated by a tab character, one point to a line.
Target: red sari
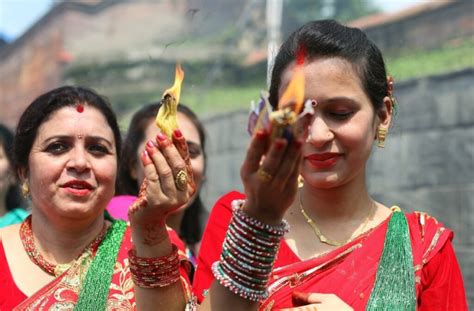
63	291
348	271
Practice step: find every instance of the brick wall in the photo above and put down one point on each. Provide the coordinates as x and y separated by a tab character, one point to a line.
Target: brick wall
427	164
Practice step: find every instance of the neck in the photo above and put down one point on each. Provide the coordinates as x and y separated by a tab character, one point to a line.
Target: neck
175	219
62	240
347	202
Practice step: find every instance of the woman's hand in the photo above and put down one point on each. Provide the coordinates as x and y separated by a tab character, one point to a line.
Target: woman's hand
168	185
317	302
269	174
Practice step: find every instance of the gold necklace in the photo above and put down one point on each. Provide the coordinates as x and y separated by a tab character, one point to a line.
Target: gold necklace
322	237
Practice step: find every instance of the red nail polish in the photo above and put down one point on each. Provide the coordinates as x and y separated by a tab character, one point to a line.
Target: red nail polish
161	137
145	158
150	144
298	143
260	134
177	134
279	144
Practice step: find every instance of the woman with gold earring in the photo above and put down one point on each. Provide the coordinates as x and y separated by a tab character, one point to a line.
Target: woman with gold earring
342	250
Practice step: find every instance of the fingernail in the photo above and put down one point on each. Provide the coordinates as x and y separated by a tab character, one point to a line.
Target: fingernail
298	143
177	134
150	144
161	137
260	134
145	158
279	144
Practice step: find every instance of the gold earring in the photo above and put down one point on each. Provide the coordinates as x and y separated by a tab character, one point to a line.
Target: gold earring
300	181
25	189
381	135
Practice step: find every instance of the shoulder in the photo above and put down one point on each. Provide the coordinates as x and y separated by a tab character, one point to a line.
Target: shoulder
428	235
9	231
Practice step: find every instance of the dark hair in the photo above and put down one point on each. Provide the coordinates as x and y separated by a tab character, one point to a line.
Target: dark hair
41	109
14	198
190	230
328	38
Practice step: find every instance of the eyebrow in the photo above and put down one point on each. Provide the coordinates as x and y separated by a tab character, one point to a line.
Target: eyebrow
338	99
67	137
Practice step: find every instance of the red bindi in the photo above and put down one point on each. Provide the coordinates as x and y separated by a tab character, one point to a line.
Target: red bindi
80	108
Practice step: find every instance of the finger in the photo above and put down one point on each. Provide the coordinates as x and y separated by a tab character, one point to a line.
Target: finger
162	170
289	167
318	297
180	143
272	161
148	168
255	151
180	172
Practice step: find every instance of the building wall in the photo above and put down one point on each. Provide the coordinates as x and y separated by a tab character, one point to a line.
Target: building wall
427	164
425	30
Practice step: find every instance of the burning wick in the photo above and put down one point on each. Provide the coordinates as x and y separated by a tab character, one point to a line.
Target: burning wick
80	108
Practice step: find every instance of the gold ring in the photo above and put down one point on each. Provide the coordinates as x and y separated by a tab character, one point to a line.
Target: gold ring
264	176
181	180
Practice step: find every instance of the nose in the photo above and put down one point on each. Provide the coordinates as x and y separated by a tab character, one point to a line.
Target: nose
319	133
79	160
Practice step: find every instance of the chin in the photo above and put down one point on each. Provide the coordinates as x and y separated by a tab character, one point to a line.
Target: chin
323	181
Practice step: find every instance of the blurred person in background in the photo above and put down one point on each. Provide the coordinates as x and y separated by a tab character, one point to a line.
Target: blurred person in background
342	249
187	220
11	200
69	253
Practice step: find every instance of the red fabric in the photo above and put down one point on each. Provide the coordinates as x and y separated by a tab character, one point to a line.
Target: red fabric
121	289
349	271
11	294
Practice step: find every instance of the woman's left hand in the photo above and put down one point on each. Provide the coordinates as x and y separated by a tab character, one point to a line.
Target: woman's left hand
317	302
168	182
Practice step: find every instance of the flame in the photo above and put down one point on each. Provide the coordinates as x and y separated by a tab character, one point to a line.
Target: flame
175	90
294	93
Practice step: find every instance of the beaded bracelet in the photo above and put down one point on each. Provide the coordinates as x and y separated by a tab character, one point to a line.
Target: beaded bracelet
248	253
154	272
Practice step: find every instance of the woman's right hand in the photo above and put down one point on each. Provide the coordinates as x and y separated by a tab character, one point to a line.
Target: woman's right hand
269	175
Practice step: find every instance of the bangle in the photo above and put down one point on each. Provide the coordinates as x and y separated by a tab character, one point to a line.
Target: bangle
154	272
248	253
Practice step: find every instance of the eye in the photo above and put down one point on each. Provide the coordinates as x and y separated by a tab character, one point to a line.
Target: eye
194	151
98	149
341	115
57	147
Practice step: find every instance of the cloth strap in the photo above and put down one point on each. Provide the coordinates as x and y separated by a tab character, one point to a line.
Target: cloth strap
95	289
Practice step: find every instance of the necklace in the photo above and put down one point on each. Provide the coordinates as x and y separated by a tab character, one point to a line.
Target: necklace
26	236
326	240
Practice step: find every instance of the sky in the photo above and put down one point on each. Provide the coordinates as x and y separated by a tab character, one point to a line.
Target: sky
16	16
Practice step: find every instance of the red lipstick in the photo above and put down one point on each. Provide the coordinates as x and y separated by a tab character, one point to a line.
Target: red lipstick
77	187
323	160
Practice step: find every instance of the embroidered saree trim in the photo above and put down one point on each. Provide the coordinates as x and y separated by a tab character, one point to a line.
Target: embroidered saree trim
95	289
394	287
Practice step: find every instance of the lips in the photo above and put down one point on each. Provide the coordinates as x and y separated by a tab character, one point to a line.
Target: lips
78	187
323	160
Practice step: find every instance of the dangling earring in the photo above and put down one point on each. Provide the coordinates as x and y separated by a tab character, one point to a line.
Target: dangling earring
300	181
381	135
25	189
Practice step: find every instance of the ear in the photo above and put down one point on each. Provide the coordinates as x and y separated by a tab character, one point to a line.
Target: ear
384	114
22	174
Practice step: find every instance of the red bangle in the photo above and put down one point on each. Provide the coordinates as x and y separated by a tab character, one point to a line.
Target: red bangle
154	272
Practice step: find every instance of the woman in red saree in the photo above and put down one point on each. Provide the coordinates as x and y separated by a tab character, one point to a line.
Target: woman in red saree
344	250
67	255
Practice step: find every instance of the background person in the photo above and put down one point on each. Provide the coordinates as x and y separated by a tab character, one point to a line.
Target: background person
11	200
187	220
